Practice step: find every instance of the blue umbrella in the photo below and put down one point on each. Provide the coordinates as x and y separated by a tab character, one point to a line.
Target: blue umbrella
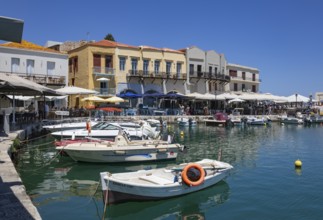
129	95
154	94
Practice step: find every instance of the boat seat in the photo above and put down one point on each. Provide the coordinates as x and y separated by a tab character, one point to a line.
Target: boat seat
156	180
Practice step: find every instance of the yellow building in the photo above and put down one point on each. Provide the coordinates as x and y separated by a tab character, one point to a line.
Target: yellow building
112	68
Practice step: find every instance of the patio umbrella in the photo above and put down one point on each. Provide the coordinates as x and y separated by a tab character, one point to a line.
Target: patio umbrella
129	95
73	90
94	99
297	98
235	100
154	94
114	99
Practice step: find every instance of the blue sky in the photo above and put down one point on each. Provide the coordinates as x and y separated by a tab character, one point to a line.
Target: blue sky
282	38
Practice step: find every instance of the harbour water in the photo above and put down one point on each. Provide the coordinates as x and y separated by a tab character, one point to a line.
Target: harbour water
263	185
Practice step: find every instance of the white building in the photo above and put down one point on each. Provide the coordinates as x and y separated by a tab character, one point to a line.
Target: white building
39	64
243	78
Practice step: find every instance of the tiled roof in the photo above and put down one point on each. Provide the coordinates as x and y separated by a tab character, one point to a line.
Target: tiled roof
172	50
107	43
29	46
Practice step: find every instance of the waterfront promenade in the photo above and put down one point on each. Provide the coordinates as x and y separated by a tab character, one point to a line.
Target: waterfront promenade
14	201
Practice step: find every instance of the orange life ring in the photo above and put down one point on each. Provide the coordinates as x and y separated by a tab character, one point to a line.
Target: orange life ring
189	181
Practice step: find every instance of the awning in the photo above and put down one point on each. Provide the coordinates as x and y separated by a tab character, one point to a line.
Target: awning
11	84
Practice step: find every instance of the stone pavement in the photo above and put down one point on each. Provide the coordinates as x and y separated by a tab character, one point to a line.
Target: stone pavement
14	202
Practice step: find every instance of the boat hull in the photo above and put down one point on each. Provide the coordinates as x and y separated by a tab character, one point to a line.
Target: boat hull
119	190
119	154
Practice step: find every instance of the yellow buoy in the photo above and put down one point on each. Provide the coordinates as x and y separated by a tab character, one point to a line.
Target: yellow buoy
182	133
298	163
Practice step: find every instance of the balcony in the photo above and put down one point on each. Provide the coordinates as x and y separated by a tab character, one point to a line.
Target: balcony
156	75
103	71
106	91
55	80
210	76
245	79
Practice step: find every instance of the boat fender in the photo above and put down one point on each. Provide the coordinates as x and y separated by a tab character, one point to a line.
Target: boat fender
193	174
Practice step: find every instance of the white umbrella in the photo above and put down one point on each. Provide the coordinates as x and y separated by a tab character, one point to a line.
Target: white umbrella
235	100
224	96
297	98
73	90
103	79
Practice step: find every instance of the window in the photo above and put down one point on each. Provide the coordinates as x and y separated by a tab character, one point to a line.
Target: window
254	88
157	64
30	67
50	68
215	86
233	73
178	69
73	64
122	63
210	71
15	63
168	68
96	60
108	61
199	70
103	88
191	69
235	87
244	75
146	67
134	63
243	87
215	70
210	86
253	77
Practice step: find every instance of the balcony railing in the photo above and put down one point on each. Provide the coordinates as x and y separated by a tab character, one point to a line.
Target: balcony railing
211	76
154	74
44	79
103	70
106	91
245	79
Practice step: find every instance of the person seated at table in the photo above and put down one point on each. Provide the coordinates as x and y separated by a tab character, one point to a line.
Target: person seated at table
31	107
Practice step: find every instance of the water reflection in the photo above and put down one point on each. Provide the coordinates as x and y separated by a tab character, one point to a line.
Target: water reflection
191	206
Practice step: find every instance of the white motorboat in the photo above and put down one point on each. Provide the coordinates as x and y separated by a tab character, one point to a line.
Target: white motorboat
156	123
108	131
257	121
122	150
185	122
162	183
68	126
314	119
291	120
235	120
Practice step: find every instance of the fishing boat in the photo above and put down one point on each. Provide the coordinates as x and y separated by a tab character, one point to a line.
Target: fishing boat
162	183
257	121
185	122
291	120
122	150
219	119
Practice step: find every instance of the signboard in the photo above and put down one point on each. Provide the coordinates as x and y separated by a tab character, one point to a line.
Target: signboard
62	113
